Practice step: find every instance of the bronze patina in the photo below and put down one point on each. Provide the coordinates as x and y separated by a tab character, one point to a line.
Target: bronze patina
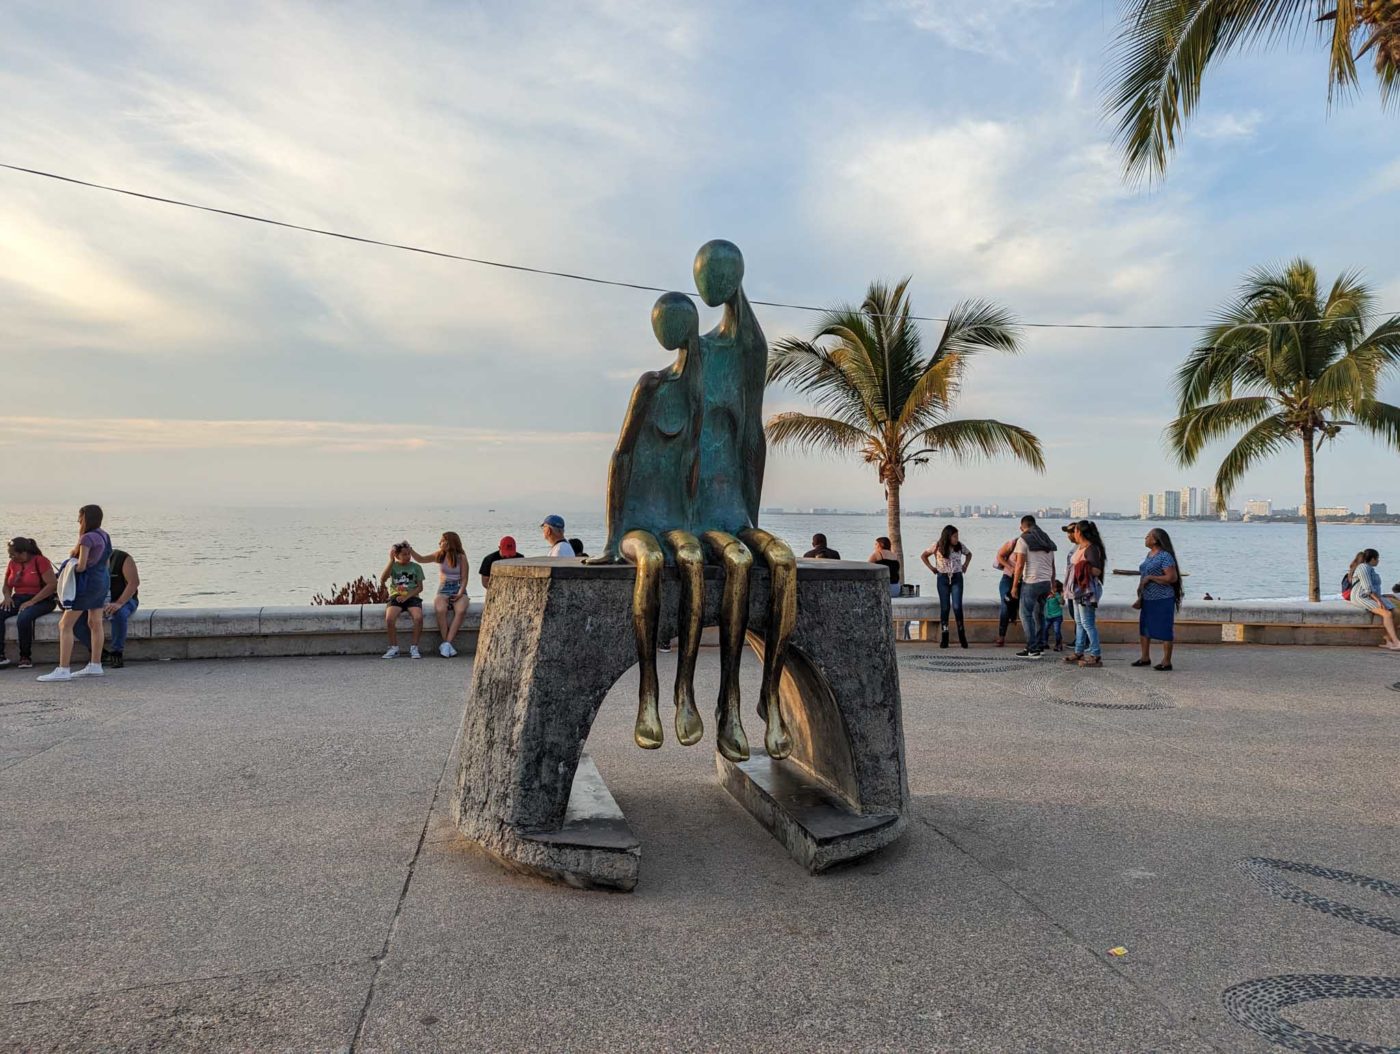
684	487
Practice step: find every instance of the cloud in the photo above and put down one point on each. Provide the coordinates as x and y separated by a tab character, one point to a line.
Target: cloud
132	435
1229	125
980	27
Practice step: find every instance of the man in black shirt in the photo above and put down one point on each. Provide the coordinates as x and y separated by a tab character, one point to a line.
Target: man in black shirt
121	605
819	550
506	550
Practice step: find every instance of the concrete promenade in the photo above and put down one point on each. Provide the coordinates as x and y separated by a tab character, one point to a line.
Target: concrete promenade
254	854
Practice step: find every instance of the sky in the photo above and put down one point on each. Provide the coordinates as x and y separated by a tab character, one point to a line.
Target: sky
151	353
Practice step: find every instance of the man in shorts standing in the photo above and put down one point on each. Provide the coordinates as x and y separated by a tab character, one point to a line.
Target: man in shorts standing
405	579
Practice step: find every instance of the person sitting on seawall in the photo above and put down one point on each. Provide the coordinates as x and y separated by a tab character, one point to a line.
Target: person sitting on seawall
28	596
1159	597
505	550
820	550
1055	614
405	594
950	559
884	554
123	604
92	585
552	527
1366	594
576	544
451	602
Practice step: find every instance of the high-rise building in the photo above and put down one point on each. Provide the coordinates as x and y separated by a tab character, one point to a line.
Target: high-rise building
1259	507
1145	507
1168	504
1210	508
1377	508
1190	502
1081	508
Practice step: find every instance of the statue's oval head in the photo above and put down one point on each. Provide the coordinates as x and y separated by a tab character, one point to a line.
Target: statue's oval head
719	269
674	320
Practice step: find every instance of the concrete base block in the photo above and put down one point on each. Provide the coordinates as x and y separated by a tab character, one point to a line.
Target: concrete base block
816	825
594	848
555	638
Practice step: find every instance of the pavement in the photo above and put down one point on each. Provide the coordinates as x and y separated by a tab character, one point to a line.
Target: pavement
256	855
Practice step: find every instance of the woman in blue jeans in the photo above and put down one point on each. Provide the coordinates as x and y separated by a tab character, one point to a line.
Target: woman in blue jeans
950	559
28	596
1085	586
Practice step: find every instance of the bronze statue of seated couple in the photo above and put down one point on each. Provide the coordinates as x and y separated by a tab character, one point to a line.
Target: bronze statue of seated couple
683	491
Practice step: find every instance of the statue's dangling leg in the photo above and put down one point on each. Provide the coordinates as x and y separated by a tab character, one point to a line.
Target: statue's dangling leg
729	553
644	550
782	617
690	563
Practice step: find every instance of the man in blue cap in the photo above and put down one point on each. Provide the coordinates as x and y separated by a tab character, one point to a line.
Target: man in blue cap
552	527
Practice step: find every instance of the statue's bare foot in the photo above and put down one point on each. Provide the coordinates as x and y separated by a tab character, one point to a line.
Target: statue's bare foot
776	739
689	728
648	734
730	738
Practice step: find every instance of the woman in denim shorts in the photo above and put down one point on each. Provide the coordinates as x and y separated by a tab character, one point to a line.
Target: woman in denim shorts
92	585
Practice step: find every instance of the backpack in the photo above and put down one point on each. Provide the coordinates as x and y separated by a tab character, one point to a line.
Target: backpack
1346	587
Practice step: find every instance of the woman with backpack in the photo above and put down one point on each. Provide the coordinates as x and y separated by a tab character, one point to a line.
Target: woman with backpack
1366	594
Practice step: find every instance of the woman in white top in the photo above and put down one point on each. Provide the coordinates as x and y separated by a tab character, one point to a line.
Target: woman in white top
950	559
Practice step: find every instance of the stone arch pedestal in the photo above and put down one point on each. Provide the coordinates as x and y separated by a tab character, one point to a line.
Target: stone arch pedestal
556	635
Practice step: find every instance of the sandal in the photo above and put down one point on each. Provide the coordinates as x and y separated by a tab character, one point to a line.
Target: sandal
1163	666
1074	658
1090	662
1142	662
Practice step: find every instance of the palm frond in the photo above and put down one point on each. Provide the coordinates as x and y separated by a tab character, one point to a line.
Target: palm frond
978	325
1189	433
1381	420
809	432
1262	441
1164	49
973	439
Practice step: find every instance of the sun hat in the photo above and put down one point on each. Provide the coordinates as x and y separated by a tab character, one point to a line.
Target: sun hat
553	520
507	547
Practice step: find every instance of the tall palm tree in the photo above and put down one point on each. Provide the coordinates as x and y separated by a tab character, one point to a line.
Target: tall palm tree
1287	365
879	396
1165	47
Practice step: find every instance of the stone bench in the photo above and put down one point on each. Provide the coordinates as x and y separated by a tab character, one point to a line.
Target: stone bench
215	633
1198	621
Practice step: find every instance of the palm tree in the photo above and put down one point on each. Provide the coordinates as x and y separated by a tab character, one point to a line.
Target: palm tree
1288	366
1165	46
882	398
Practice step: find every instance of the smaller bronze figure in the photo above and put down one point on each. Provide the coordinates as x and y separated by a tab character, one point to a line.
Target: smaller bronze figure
652	484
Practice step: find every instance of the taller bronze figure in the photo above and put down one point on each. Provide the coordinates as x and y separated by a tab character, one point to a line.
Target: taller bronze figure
689	461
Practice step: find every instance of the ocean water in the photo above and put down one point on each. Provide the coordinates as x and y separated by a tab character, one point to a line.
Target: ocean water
216	557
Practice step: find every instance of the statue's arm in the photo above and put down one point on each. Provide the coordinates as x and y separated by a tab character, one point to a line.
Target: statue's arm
755	440
620	468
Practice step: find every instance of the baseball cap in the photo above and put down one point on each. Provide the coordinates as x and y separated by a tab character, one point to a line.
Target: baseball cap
552	520
507	546
1074	525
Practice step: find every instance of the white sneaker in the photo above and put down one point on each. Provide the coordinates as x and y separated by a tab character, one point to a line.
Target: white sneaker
451	651
445	649
92	669
392	653
59	673
413	652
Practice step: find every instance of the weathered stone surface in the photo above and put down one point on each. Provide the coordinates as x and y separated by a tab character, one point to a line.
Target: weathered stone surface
556	636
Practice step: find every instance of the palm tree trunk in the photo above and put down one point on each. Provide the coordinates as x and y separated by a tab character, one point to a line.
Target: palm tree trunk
1314	594
892	524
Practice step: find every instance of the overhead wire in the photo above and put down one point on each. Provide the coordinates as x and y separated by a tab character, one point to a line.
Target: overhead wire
570	275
